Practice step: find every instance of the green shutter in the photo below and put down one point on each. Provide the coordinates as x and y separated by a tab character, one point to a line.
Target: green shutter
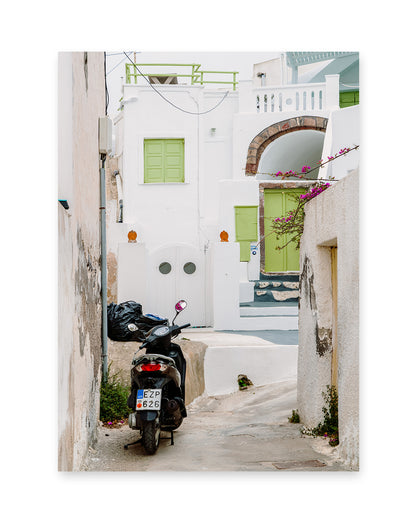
174	160
349	98
153	160
164	160
245	229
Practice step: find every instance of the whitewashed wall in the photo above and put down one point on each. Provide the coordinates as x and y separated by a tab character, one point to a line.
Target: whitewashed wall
331	219
175	222
343	131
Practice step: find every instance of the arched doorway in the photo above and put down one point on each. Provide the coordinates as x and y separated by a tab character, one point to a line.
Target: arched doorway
262	140
284	146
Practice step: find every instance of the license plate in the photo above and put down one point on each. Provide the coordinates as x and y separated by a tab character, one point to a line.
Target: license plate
148	399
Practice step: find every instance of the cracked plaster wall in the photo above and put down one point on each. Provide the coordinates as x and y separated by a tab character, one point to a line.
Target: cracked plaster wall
330	220
81	103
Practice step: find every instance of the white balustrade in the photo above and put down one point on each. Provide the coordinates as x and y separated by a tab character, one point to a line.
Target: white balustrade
303	97
289	98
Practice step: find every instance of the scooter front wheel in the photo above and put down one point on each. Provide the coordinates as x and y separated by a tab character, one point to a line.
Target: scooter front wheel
151	436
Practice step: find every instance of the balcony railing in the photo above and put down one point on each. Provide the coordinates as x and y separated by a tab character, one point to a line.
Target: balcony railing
314	97
195	74
290	98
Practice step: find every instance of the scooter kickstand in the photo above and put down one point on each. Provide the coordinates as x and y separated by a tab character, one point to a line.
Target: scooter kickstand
139	441
171	438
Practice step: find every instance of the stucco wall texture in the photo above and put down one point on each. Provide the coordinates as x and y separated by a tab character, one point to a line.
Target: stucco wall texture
81	103
331	220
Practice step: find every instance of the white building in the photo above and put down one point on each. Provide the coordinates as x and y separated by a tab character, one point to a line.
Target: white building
189	164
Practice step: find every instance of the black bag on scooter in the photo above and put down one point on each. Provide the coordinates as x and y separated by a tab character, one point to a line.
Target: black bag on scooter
125	321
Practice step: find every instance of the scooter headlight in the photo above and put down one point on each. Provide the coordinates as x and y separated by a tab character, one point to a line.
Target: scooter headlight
161	331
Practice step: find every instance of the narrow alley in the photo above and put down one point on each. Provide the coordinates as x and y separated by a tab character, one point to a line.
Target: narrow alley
246	430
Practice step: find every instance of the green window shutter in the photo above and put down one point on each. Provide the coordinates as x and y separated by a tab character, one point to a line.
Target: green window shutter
153	160
348	99
164	160
174	160
245	229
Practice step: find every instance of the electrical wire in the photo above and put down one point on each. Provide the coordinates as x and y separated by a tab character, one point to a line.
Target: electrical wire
119	63
173	104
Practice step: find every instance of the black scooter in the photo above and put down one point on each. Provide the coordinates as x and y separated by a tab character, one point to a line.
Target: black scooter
158	385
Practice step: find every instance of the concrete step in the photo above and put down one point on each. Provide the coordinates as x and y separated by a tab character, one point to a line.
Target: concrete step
268	322
279	277
268	310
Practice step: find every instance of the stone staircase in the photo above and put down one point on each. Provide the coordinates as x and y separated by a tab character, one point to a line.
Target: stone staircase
275	305
277	289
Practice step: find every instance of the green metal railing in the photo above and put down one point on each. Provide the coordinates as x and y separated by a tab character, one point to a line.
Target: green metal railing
197	76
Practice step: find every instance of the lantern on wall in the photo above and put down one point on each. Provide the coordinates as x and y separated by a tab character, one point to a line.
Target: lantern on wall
224	236
132	235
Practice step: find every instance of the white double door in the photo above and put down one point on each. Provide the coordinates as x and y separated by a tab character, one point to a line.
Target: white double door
177	272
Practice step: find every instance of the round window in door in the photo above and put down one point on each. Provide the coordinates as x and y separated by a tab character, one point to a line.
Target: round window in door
165	268
189	268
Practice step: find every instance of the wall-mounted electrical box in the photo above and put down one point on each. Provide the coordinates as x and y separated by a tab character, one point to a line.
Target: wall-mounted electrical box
105	135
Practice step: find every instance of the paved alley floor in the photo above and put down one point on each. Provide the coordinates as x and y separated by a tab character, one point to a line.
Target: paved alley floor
244	431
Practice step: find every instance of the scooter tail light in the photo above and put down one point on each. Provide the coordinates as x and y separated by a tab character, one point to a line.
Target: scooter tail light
152	367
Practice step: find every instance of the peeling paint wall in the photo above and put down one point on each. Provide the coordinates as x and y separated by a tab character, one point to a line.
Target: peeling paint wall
331	220
81	103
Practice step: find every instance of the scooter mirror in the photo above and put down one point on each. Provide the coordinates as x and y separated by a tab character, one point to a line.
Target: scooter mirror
180	306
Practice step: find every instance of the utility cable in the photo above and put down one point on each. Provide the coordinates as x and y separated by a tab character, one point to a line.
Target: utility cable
173	104
119	63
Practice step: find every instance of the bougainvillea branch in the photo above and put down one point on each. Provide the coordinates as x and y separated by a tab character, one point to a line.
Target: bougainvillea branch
291	225
306	170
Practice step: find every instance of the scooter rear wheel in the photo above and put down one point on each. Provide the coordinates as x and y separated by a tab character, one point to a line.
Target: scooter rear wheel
151	436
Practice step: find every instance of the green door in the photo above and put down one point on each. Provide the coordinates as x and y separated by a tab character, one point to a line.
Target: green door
276	204
245	229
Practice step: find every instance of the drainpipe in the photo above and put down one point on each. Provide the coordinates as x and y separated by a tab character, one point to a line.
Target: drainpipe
120	197
103	269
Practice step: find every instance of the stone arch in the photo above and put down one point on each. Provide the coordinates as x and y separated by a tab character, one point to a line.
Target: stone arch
272	132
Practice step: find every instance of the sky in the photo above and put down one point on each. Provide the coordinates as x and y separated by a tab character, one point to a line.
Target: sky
225	61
